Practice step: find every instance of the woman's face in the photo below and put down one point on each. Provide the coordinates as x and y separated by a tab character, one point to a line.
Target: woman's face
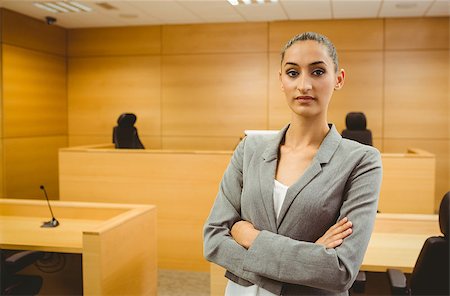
308	78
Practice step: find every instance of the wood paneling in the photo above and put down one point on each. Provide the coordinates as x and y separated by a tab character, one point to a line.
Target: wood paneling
34	93
362	91
26	32
215	38
345	34
149	142
30	162
100	89
142	40
438	148
279	113
417	33
214	95
182	185
416	94
200	143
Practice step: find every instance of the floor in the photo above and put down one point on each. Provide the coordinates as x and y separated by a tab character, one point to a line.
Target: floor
183	283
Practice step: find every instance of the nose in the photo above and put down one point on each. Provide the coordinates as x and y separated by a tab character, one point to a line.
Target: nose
304	84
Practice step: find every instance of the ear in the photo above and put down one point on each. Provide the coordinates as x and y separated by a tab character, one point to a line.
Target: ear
340	78
281	83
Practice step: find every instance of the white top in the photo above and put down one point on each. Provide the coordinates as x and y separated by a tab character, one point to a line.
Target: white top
233	289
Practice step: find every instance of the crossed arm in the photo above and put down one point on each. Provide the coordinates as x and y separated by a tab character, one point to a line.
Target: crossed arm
244	233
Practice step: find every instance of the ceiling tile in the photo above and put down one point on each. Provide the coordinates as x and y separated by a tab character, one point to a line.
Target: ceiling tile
262	12
346	9
402	8
217	11
307	9
169	12
439	8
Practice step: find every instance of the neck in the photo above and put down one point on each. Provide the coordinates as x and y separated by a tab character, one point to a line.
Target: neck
304	133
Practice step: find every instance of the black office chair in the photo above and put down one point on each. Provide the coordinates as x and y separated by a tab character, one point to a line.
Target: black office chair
13	262
430	275
125	135
356	128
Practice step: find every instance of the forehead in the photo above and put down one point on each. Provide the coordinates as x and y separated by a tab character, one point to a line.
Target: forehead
306	52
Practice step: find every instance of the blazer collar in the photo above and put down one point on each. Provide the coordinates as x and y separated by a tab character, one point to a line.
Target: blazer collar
326	150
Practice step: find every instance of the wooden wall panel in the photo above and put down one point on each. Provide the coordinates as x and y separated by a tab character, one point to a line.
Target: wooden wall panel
279	113
26	32
100	89
362	91
149	142
437	147
214	95
215	38
365	34
114	41
200	143
417	33
34	93
416	94
30	162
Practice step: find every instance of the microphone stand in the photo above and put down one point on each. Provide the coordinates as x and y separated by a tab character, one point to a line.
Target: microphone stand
53	222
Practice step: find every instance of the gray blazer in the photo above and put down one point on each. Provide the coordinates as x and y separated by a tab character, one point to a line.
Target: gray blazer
343	179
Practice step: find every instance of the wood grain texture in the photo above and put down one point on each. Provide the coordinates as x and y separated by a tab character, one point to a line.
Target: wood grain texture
118	85
182	185
200	143
34	93
408	184
141	40
416	94
439	149
29	163
108	268
149	142
215	38
366	34
417	33
22	31
213	95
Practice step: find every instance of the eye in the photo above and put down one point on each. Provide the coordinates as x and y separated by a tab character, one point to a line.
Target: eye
292	73
318	72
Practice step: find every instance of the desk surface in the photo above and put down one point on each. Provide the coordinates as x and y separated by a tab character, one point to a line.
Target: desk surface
117	241
25	233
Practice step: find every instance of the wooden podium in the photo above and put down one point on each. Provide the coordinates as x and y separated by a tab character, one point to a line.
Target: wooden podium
117	241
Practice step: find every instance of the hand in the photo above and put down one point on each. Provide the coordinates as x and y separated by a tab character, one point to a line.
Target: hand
335	234
244	233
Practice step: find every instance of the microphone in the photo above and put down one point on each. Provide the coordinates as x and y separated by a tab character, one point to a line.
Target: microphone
53	222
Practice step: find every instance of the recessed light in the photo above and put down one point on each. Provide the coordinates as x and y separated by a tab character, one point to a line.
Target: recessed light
406	5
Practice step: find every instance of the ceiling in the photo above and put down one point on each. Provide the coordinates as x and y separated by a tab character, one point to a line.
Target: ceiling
159	12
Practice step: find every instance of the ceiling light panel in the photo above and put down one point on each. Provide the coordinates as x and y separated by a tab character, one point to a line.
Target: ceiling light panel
62	6
404	8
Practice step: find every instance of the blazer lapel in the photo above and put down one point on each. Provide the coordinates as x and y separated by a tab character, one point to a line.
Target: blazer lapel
267	175
326	150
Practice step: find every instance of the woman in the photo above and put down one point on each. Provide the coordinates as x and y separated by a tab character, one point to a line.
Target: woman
280	224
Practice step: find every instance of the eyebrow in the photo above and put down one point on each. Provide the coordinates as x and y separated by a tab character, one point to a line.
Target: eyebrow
311	64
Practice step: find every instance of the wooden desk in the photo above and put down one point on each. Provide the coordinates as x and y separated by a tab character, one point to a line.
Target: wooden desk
395	243
117	241
408	182
182	184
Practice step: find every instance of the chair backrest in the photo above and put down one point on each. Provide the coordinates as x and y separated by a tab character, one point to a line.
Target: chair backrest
356	128
125	135
431	272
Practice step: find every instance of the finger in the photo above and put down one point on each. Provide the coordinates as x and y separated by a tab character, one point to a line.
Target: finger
342	228
339	223
340	235
334	244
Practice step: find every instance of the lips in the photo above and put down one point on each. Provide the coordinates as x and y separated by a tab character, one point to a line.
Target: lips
304	98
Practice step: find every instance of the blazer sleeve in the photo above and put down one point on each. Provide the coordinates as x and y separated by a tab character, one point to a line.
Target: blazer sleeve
304	263
218	245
